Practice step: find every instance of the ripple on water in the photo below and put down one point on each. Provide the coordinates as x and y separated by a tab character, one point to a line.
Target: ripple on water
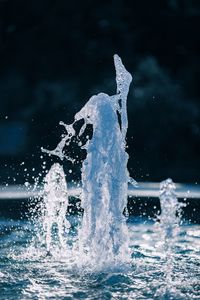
26	277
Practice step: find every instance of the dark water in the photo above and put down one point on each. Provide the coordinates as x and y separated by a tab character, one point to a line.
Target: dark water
23	276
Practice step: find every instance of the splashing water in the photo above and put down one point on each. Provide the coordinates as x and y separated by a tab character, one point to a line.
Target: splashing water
53	209
89	262
169	229
103	236
105	176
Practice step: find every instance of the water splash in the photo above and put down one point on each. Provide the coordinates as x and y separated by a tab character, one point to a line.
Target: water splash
103	236
168	229
54	208
105	177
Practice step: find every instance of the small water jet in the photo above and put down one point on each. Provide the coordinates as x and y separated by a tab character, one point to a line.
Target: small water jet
54	208
169	228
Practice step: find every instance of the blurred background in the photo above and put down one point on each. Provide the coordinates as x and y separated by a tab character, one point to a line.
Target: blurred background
54	55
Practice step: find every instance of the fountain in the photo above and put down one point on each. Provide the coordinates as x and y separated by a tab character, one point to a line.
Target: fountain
99	255
103	236
169	229
54	207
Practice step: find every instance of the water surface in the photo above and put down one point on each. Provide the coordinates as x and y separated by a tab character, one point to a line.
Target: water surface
44	277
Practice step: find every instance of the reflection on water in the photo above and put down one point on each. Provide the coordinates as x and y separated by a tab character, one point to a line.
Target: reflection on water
57	278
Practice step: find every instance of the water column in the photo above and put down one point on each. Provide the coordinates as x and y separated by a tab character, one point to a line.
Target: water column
55	202
105	177
169	228
103	235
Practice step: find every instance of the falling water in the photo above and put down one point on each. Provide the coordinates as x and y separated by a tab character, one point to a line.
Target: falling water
103	236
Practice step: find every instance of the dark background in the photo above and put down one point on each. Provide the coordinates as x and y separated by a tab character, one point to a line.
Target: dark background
54	55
